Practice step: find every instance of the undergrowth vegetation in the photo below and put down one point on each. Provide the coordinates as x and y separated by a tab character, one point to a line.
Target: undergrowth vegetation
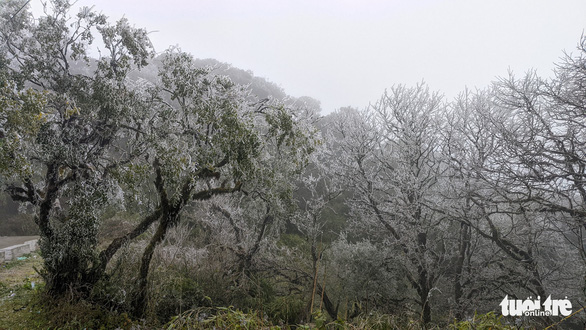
24	304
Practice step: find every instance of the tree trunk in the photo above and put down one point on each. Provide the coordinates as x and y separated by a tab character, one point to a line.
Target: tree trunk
464	245
140	301
423	292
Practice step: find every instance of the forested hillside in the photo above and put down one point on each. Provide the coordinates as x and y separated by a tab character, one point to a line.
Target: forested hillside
176	189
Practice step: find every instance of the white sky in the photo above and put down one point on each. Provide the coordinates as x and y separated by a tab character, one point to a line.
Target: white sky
346	52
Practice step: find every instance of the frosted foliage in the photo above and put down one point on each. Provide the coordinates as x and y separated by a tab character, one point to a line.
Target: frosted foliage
364	269
75	231
390	154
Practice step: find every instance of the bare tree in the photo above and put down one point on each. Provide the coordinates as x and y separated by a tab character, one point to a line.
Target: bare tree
391	154
485	221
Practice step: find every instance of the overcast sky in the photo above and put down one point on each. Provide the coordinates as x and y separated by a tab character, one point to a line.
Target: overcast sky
346	52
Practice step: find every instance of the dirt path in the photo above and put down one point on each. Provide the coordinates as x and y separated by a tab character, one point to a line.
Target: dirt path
6	241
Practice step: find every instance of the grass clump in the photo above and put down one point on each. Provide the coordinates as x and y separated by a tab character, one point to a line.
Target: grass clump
220	318
25	305
482	322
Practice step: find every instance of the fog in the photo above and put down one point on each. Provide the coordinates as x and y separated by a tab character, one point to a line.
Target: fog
347	52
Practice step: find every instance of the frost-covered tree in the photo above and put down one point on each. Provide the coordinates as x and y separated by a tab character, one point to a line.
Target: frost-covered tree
212	138
64	174
505	159
493	257
106	139
391	154
542	169
318	189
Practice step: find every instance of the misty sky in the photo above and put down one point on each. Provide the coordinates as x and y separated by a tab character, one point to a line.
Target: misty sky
346	52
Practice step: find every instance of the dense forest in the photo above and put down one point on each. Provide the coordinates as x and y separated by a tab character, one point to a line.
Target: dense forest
174	189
